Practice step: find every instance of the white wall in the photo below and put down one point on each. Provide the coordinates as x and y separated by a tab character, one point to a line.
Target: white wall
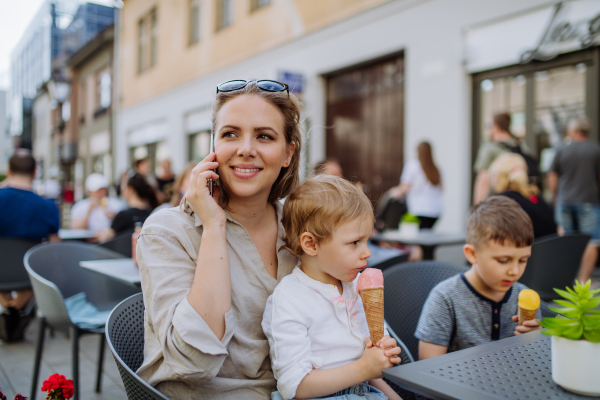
437	95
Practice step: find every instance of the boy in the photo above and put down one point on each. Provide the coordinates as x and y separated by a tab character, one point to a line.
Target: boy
479	305
314	319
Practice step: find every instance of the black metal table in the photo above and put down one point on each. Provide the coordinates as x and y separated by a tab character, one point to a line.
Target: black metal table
427	239
514	368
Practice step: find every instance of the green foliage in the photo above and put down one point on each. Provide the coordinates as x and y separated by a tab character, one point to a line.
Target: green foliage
577	319
2	177
410	219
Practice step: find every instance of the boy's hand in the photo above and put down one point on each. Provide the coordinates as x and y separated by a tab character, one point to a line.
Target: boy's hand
388	345
527	326
374	361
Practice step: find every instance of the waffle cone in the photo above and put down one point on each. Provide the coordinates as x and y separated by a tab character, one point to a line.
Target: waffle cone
373	304
526	314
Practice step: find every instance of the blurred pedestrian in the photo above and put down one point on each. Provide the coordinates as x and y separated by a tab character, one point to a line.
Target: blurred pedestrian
141	199
180	186
166	177
329	166
574	179
24	215
502	141
508	175
421	183
98	210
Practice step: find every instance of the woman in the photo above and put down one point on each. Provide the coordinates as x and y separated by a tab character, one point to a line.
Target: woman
141	199
208	266
422	185
509	178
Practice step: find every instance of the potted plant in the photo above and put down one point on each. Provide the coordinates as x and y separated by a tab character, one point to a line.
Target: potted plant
409	225
576	340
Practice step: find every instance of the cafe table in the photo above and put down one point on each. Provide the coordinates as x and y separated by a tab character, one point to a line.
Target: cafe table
518	367
429	240
122	269
75	234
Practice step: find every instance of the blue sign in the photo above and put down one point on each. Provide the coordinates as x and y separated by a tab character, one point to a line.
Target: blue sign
293	80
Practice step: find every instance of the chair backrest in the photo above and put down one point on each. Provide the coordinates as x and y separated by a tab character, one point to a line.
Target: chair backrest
56	274
121	243
13	275
125	336
407	286
554	263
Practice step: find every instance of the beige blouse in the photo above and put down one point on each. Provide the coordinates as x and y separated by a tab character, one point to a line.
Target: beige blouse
182	356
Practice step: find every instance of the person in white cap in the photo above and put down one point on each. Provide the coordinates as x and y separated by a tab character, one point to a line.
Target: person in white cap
98	210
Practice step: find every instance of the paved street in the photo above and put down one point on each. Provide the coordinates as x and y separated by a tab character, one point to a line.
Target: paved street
16	366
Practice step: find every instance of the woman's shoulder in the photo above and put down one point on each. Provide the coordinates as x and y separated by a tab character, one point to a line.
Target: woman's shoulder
169	219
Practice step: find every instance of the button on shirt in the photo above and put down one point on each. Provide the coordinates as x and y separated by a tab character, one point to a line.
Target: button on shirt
182	356
310	326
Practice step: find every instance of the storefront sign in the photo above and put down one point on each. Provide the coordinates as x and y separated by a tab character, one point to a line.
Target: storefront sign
560	32
539	34
293	80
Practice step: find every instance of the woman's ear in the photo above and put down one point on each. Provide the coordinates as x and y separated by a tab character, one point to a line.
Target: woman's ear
470	253
289	154
309	244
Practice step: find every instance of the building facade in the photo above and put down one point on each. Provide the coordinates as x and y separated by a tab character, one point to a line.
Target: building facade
5	138
375	78
91	70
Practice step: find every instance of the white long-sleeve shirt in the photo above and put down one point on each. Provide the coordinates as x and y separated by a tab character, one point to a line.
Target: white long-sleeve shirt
310	326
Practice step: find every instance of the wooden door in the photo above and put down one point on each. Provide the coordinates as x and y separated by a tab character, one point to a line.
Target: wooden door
365	123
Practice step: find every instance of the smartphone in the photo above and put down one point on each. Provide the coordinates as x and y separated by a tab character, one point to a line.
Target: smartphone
211	182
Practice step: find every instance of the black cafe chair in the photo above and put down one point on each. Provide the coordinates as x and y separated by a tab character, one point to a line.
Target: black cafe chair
121	243
554	263
13	275
125	335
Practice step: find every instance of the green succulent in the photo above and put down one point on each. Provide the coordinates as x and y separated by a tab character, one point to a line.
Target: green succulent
578	318
410	219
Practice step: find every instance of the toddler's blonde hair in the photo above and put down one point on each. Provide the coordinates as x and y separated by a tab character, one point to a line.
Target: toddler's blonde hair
319	206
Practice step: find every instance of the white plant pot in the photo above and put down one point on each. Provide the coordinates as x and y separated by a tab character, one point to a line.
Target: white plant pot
575	365
409	229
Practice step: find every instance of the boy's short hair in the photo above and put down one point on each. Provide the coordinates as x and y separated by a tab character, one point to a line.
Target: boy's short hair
22	163
499	219
319	206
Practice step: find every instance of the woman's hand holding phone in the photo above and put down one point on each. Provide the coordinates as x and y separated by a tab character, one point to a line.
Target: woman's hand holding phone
198	194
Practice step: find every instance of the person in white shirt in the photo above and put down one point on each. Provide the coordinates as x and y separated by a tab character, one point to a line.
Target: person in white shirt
421	183
98	210
314	320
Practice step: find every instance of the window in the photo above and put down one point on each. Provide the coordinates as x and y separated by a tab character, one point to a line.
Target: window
256	4
224	13
103	88
199	145
147	41
194	21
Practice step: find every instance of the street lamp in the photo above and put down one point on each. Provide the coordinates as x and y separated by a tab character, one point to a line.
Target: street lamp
59	91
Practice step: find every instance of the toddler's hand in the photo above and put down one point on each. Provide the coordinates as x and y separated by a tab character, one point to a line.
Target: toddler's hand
527	326
374	361
389	348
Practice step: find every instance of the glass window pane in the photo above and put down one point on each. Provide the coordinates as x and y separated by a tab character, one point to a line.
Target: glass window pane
503	95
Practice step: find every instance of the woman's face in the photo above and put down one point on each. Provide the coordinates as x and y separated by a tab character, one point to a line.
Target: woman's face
250	146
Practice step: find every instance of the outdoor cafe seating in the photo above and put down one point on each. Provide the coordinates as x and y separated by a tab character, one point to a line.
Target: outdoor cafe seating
55	273
55	276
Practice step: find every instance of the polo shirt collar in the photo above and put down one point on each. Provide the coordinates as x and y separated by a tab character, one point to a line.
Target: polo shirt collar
482	297
324	289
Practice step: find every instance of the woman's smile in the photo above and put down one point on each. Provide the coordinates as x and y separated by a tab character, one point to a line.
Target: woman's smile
245	171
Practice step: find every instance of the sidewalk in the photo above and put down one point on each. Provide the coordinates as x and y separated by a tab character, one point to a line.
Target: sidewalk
16	366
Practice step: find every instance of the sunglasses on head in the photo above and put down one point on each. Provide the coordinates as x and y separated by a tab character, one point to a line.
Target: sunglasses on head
264	84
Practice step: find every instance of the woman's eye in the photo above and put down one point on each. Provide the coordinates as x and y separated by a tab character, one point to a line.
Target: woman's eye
264	136
227	134
502	261
354	243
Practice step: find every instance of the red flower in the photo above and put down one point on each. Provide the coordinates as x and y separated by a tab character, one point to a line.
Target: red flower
19	397
58	387
2	396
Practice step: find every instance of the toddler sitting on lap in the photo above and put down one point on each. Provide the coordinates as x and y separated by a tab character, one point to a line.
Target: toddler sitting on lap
314	320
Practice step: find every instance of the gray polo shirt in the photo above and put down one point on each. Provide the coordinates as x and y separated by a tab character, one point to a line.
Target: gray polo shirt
458	316
578	167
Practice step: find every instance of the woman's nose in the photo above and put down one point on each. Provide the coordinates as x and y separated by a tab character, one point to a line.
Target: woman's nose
247	148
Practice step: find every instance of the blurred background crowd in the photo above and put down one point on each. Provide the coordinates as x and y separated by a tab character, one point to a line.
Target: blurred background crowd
430	106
